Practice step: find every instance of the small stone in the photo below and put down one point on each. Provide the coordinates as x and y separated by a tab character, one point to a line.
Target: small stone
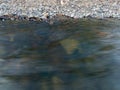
34	19
23	17
4	17
1	60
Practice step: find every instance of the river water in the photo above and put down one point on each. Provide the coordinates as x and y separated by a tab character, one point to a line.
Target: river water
67	55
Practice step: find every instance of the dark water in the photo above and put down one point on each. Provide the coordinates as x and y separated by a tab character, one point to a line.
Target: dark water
68	55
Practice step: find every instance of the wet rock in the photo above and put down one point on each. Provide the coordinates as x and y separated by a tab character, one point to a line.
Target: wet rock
23	17
4	17
13	16
27	52
34	19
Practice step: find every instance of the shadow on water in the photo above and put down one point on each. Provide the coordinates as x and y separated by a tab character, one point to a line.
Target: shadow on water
68	55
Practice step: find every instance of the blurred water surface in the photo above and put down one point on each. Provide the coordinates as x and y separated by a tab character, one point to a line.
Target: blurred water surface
79	54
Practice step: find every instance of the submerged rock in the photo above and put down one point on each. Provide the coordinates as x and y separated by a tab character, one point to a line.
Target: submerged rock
31	51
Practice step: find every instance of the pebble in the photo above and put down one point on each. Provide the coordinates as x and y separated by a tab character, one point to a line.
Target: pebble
33	19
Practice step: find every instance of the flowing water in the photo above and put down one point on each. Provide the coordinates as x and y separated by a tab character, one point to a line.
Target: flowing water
67	55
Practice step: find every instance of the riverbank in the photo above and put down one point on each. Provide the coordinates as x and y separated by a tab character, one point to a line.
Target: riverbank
71	8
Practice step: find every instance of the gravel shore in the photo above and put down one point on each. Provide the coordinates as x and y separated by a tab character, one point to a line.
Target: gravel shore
72	8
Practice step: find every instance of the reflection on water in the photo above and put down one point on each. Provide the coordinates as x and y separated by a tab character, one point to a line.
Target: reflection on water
69	55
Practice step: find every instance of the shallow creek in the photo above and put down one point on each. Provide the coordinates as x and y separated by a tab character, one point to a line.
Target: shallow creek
68	55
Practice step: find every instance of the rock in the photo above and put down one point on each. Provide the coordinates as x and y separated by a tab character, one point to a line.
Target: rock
4	17
23	17
64	2
26	53
34	19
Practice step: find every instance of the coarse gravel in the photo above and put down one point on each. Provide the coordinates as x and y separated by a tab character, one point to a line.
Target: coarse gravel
72	8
